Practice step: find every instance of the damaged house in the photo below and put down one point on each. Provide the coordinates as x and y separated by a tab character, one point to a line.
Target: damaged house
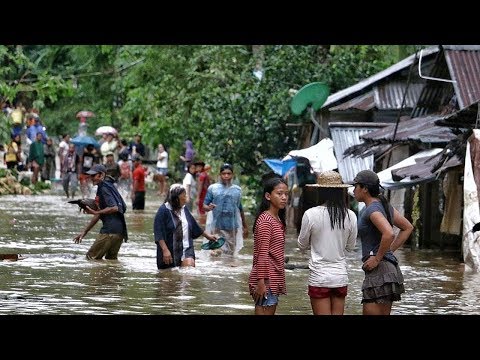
411	120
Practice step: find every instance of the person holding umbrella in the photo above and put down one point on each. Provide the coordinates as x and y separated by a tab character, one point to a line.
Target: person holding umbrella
105	130
82	117
109	147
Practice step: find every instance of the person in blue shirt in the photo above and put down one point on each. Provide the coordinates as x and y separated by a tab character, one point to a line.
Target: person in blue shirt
225	217
35	128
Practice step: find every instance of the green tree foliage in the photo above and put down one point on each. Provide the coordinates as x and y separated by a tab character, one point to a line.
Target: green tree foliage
22	81
91	73
348	64
207	93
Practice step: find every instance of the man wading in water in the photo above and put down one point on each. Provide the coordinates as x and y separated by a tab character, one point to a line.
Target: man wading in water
112	207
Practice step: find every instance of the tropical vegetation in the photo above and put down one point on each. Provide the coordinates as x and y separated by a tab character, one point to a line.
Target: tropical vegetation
232	101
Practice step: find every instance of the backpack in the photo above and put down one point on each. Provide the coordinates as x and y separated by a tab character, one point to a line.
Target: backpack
122	207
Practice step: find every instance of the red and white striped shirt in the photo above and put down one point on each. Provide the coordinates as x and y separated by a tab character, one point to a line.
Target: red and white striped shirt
268	254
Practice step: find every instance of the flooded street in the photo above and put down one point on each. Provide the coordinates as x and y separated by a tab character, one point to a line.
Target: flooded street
55	278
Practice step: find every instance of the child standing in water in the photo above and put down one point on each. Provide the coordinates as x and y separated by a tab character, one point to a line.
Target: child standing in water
267	278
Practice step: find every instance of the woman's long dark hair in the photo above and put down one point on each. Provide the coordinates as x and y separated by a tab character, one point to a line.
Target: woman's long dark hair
334	200
268	187
374	190
164	146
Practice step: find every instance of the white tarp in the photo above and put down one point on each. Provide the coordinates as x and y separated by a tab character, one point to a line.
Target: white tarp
320	155
471	213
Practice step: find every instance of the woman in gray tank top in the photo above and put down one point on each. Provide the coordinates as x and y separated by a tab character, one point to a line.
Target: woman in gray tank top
383	283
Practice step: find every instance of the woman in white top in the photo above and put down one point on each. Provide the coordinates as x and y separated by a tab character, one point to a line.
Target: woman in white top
63	150
328	230
162	169
109	147
190	185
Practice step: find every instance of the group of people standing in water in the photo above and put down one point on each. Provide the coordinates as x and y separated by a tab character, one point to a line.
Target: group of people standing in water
328	230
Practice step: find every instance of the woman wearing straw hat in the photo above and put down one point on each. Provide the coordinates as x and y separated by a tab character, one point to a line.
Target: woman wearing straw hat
383	281
328	230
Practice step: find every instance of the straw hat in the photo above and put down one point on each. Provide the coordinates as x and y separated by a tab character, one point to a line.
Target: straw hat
330	179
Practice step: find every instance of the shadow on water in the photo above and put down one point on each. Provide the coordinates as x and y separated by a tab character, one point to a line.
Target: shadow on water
55	278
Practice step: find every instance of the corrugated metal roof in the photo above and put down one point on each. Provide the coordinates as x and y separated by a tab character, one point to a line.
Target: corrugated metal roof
422	129
464	67
435	94
424	168
345	135
364	102
465	118
339	95
389	96
461	47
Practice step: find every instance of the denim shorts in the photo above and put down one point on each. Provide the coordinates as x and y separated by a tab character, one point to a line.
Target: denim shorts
162	171
269	301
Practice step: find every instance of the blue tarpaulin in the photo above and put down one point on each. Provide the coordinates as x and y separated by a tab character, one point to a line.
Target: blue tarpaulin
279	166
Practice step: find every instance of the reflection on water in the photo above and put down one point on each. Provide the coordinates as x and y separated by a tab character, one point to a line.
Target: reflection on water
55	277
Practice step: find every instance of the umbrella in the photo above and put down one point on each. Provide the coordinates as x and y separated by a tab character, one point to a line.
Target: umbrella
83	140
83	115
105	130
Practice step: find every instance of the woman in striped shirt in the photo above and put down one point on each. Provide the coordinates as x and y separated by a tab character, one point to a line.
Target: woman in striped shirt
267	278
